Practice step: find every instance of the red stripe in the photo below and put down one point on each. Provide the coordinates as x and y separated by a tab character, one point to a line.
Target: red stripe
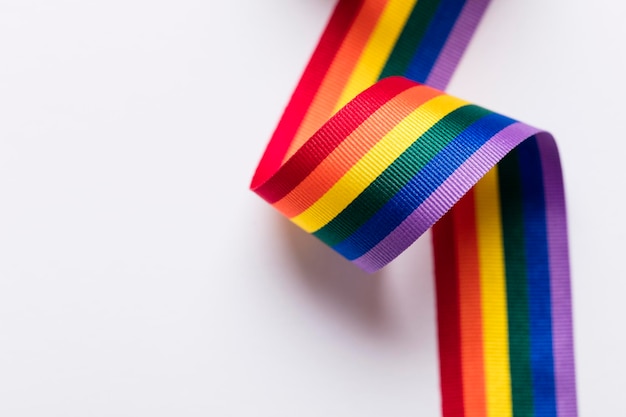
448	318
338	27
325	140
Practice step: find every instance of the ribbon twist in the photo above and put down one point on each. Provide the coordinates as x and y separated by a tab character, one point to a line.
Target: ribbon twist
370	154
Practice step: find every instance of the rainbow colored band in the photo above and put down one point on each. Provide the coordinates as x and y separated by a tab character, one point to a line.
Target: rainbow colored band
370	154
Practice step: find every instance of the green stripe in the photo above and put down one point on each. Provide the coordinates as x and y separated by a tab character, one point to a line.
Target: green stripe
410	38
516	284
399	173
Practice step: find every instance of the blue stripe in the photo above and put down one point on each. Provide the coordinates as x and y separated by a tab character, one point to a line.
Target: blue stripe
434	39
421	186
538	275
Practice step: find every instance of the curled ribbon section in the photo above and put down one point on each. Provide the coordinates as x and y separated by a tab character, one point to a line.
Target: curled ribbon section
368	166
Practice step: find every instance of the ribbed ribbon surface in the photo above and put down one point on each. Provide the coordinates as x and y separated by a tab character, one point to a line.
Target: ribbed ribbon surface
370	153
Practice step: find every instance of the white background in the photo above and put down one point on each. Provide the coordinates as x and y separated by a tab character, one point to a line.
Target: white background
140	277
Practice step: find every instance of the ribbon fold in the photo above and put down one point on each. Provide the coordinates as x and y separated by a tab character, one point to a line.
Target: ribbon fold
370	154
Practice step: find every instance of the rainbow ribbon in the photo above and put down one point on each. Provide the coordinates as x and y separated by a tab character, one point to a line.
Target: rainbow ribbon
370	154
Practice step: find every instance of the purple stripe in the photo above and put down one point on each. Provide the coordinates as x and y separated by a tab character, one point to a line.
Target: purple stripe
562	332
456	43
440	201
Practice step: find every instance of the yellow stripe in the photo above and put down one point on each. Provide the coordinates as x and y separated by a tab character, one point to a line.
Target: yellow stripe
374	162
493	292
377	50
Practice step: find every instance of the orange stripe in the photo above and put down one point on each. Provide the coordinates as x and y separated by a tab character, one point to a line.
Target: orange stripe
339	73
352	149
472	355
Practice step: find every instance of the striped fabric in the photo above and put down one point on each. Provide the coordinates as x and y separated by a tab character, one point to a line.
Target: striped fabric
370	154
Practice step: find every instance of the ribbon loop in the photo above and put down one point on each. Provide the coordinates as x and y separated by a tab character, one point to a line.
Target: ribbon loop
368	165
